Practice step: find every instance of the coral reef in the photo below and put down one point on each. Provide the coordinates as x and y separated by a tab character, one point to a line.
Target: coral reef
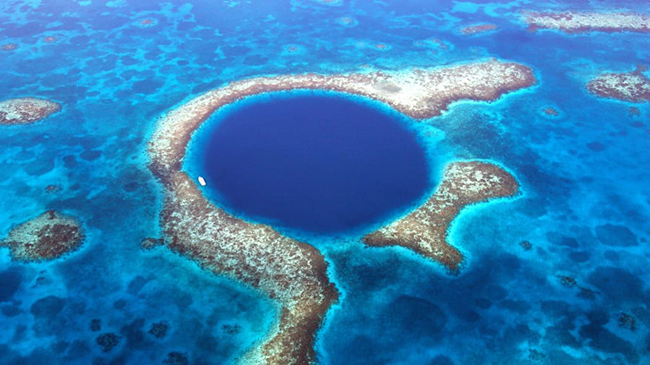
231	329
626	320
150	243
108	341
536	355
579	22
26	110
46	237
550	112
294	273
586	293
425	230
159	329
477	29
9	47
53	189
176	358
96	325
567	281
632	86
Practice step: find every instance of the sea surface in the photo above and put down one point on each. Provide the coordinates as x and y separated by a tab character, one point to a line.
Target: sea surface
116	66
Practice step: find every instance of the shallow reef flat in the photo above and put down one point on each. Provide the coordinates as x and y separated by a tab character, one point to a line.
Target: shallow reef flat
630	86
49	236
580	22
425	230
478	29
291	272
26	110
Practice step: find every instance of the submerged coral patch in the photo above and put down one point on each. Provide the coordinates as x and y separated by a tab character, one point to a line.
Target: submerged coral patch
550	112
46	237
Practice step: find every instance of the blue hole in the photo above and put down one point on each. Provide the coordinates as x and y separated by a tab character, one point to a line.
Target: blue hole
322	163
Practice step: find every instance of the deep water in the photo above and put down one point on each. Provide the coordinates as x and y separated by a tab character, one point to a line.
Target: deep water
325	164
584	208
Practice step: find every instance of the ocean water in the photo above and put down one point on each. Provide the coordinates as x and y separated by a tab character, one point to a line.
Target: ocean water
324	164
585	203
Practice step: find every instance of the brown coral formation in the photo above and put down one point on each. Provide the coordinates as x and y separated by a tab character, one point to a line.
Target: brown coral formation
26	110
46	237
580	22
9	47
632	86
551	112
291	272
477	29
425	230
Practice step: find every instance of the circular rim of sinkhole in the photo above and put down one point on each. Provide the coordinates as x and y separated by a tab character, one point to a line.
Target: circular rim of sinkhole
402	125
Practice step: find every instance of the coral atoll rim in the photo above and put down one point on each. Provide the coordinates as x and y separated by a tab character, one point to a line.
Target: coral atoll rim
291	272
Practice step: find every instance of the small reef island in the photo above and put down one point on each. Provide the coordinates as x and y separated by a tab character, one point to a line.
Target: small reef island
582	21
49	236
478	29
293	273
631	86
26	110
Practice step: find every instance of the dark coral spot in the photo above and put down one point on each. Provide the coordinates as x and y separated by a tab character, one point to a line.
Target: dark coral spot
579	256
96	325
47	307
119	304
596	146
40	166
146	86
441	360
617	284
561	240
10	281
137	284
108	341
416	317
91	155
69	161
134	334
159	330
176	358
604	340
616	235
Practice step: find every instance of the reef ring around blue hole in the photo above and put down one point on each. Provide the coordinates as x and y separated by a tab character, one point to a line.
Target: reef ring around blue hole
323	163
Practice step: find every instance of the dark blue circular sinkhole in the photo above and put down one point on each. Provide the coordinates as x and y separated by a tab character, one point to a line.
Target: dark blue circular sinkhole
318	162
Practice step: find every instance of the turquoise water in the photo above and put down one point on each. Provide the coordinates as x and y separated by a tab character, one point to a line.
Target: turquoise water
585	206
